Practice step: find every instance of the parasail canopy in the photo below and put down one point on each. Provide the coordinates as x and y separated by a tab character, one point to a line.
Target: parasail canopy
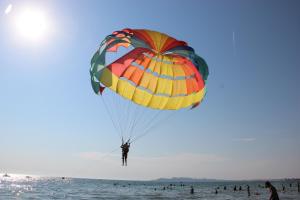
160	72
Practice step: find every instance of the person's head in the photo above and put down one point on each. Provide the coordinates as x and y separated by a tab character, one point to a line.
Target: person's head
268	184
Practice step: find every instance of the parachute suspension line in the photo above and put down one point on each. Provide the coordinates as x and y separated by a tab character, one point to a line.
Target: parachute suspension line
110	101
134	123
111	118
151	120
138	117
133	117
118	107
128	117
116	103
107	154
156	125
152	127
141	111
113	112
143	116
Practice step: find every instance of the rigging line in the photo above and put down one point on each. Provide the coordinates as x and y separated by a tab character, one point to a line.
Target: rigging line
110	101
147	120
110	116
109	111
116	107
123	106
107	154
153	120
138	117
142	119
141	111
125	116
120	113
129	116
144	115
233	43
147	129
153	127
109	107
131	126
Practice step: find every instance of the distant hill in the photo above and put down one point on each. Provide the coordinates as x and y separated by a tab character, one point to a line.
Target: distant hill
203	180
185	179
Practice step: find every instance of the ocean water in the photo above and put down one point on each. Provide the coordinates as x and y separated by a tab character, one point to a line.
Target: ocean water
20	187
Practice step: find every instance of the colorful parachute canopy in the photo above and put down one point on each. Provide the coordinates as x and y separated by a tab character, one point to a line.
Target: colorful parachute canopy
160	72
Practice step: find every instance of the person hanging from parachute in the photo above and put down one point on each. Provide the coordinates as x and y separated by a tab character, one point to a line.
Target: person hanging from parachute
125	149
160	74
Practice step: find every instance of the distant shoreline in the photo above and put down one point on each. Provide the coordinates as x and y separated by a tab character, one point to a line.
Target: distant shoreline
173	179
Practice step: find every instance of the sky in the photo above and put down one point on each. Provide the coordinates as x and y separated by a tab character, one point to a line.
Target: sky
52	124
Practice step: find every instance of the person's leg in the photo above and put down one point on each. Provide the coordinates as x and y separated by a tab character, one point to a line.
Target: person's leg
126	159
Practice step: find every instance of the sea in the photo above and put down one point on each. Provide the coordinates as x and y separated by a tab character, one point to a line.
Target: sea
27	187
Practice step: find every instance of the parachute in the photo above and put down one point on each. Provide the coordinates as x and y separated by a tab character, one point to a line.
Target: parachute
159	75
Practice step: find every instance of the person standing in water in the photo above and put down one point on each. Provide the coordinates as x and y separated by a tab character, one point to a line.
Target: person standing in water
192	190
273	191
298	186
248	190
125	150
283	188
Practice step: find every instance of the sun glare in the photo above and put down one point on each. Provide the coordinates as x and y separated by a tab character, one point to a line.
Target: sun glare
31	24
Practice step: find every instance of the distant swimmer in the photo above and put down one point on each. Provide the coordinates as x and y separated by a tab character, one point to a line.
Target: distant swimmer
225	188
125	149
248	190
192	190
273	191
283	188
234	189
298	186
216	192
240	188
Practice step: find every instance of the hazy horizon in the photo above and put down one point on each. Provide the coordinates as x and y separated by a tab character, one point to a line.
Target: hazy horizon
159	179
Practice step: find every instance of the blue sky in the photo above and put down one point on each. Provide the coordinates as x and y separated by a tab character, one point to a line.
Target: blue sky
51	122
